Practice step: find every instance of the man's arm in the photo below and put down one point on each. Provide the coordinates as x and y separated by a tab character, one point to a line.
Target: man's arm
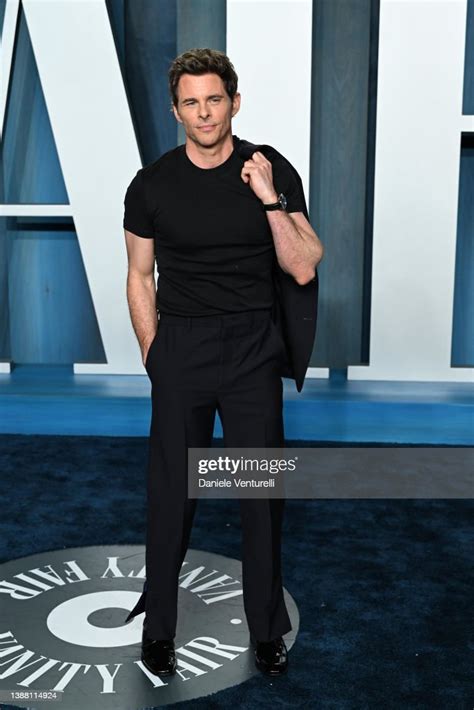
141	289
297	245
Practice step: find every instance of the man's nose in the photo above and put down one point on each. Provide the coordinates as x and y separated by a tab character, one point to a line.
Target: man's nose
203	111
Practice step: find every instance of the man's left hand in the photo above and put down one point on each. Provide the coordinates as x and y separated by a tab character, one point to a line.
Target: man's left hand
257	172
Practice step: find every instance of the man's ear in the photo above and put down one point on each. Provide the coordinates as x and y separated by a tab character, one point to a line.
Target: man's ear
235	104
176	114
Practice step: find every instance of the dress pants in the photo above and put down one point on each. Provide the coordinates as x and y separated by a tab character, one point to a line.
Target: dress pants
199	365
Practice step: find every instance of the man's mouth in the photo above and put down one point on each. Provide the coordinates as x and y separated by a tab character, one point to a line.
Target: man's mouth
206	127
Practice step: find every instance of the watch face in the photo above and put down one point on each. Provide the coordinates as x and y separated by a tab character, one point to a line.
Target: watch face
282	200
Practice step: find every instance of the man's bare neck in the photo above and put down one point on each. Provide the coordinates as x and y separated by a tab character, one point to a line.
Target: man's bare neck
209	157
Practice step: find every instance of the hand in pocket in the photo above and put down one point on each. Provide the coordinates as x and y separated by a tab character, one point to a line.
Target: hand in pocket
146	353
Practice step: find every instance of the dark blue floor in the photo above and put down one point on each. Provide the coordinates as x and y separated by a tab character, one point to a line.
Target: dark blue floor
384	588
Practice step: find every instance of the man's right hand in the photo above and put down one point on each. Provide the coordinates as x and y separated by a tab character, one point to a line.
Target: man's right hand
146	349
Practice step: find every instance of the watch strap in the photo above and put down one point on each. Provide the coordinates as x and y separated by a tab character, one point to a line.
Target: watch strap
279	205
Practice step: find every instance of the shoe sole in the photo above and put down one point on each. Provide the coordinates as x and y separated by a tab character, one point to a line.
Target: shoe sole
273	674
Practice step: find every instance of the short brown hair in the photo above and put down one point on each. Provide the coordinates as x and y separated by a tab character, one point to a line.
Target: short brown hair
202	61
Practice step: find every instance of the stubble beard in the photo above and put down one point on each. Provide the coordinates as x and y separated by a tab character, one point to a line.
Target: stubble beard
196	138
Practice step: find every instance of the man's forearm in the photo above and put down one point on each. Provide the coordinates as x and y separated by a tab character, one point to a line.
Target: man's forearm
141	296
298	248
298	253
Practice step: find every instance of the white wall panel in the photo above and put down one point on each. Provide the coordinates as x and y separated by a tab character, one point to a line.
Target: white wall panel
269	44
90	118
419	123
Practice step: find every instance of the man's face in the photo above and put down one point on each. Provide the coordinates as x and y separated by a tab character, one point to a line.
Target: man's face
205	109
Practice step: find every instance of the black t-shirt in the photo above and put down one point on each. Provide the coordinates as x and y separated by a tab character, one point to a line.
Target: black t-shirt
213	244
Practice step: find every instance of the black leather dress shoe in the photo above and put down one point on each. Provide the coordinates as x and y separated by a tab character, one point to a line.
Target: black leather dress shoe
271	657
158	655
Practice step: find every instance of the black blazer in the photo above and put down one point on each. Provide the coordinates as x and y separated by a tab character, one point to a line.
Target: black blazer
295	307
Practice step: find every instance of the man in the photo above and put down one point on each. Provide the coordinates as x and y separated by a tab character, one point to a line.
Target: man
217	224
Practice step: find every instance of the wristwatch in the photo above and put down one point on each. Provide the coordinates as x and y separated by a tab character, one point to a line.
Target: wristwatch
280	205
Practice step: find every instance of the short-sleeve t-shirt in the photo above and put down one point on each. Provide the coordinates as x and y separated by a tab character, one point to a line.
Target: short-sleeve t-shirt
213	244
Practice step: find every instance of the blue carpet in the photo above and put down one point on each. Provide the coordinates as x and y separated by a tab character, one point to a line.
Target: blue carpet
384	588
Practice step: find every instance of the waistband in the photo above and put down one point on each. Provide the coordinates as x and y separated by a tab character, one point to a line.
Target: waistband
224	319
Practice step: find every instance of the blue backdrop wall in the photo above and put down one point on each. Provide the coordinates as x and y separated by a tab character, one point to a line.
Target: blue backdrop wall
46	312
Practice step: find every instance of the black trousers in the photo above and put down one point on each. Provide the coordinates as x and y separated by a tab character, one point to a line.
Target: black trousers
197	366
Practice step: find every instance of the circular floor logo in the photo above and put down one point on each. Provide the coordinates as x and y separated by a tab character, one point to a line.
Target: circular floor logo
63	633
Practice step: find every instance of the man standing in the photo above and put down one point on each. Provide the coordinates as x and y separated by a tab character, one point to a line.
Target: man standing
216	224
